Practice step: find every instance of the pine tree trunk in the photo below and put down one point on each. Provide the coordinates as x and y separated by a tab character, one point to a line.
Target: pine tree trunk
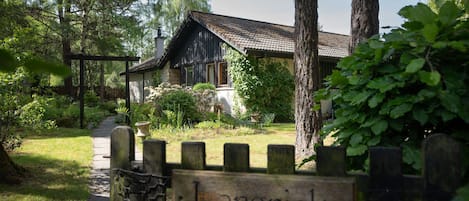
10	173
307	77
64	10
364	21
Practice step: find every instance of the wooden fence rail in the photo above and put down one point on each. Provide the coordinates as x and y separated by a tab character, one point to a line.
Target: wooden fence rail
235	180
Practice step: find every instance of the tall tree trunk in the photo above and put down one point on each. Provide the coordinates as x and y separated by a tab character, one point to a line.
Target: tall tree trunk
364	21
10	173
101	83
307	77
64	10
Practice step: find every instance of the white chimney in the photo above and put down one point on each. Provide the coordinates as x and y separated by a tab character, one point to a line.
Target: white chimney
159	44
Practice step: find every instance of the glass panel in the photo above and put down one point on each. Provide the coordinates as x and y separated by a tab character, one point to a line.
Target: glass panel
222	74
189	76
211	73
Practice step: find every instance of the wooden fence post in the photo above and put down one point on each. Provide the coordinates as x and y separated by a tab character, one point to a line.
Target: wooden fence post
193	155
330	161
280	159
442	170
122	154
154	157
235	157
385	174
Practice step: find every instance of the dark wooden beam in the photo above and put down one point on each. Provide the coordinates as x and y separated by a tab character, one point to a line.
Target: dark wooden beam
103	58
82	92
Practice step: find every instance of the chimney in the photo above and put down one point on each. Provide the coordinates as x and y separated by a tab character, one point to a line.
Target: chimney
159	44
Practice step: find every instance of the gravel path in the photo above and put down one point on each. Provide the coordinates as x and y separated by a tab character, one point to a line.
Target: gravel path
99	178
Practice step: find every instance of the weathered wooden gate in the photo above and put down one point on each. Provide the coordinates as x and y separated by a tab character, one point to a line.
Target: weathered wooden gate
193	180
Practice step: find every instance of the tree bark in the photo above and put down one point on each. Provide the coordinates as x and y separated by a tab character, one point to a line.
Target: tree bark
364	21
64	10
10	173
307	77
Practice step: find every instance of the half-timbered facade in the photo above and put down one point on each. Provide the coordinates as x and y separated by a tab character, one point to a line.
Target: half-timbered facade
195	53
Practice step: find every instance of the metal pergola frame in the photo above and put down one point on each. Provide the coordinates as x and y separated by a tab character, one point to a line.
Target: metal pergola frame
82	58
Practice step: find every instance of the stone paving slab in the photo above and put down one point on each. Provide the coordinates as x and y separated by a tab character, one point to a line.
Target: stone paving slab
99	177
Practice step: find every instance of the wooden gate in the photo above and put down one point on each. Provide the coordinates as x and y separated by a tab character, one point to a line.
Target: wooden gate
194	180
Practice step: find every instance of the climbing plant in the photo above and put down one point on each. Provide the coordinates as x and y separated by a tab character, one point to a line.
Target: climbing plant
265	86
411	83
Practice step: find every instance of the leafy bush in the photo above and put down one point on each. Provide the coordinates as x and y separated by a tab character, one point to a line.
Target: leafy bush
404	87
264	85
180	101
90	98
203	86
109	106
32	114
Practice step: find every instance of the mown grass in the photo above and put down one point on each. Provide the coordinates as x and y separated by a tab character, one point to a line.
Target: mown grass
214	139
58	165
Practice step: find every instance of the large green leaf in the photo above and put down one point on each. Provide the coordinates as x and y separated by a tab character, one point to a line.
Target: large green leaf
375	100
420	115
420	13
374	140
360	97
400	110
430	31
383	84
429	78
356	150
8	63
356	139
415	65
41	66
379	127
448	13
450	101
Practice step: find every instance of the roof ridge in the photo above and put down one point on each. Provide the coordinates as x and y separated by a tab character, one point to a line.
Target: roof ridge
240	18
259	21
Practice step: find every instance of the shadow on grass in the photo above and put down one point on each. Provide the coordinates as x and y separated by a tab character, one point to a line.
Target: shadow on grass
57	133
48	179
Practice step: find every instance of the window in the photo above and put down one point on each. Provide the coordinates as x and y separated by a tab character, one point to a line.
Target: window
211	73
189	75
222	73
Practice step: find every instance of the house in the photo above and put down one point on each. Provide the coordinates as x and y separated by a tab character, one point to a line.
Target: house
195	53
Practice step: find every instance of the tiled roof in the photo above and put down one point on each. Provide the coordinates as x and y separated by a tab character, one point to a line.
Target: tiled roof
249	35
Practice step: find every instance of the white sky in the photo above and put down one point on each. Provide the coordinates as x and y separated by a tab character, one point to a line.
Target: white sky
334	15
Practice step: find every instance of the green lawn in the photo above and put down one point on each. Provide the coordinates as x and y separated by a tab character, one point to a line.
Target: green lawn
58	163
257	140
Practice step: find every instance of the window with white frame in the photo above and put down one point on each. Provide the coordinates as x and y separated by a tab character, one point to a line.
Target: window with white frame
211	73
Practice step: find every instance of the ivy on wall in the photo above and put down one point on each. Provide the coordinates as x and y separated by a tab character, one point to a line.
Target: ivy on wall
265	86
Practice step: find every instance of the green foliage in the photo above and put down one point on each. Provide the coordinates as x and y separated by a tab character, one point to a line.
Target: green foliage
264	85
398	89
203	86
180	102
33	114
90	98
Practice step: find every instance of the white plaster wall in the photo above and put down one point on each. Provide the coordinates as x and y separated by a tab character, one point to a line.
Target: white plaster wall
228	98
136	84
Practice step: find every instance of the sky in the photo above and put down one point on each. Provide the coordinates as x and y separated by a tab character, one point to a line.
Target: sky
334	15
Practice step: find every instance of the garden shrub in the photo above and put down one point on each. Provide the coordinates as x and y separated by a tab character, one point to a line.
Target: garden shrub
176	99
265	86
109	106
90	98
180	101
203	86
397	90
32	114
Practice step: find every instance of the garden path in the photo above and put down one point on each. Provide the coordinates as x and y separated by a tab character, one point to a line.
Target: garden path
99	177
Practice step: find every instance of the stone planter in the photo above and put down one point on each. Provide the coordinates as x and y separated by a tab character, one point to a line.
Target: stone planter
143	128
